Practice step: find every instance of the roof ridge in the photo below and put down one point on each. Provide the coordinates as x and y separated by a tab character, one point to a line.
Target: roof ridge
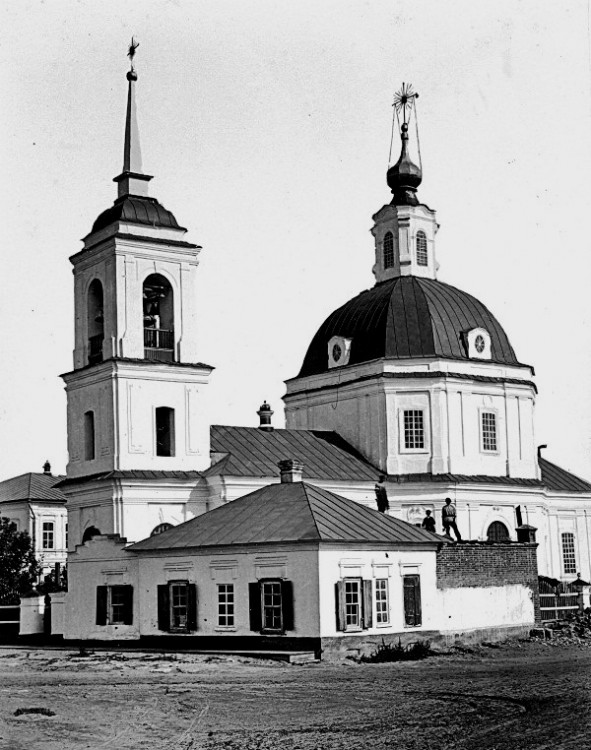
305	486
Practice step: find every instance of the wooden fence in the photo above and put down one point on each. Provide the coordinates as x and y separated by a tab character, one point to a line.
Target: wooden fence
557	600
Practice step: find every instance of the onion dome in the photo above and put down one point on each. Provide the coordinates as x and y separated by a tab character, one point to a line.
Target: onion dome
407	317
404	177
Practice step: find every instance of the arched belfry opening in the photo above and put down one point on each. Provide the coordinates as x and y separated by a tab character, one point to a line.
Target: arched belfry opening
96	322
158	318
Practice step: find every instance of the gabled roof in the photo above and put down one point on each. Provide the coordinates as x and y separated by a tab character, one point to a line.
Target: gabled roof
31	486
561	480
288	513
252	452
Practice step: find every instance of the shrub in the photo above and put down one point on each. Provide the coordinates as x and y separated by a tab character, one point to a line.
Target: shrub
388	652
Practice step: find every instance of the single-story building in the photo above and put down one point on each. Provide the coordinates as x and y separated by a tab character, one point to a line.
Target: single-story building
294	566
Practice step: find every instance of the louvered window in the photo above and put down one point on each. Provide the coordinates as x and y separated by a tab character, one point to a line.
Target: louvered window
422	256
388	250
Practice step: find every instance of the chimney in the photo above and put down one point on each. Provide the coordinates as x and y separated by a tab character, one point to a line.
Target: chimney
265	413
47	468
291	470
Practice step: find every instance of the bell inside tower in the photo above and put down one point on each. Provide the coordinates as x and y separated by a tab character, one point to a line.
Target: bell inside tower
96	323
158	319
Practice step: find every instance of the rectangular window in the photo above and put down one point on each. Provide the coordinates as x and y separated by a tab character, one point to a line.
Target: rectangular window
177	607
225	605
414	429
569	560
114	605
412	601
48	535
489	431
271	605
381	599
89	439
164	431
66	536
352	603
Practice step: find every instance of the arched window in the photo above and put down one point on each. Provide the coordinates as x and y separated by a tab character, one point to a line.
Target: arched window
498	532
95	322
164	431
89	439
89	533
160	528
569	558
422	256
388	250
158	318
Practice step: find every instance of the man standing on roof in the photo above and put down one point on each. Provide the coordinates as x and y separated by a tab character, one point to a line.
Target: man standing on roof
448	516
381	494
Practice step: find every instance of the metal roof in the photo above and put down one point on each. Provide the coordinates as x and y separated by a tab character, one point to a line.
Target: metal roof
136	210
561	480
407	317
32	486
253	452
288	513
141	474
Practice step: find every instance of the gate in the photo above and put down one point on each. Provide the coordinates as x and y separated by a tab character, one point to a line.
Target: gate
10	614
557	599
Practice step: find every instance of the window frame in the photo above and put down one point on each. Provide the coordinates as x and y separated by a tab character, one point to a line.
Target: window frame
113	596
382	603
226	606
485	412
48	535
402	429
569	556
388	251
256	604
166	606
417	613
422	251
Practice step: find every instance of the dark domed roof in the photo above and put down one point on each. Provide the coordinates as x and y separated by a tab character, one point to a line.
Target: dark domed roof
136	210
407	317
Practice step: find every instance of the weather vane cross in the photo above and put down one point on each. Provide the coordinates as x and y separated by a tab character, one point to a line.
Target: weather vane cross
131	51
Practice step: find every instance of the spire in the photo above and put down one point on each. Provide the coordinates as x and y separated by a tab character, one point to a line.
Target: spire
405	176
132	181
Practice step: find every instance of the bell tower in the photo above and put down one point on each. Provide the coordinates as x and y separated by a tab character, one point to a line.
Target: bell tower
136	402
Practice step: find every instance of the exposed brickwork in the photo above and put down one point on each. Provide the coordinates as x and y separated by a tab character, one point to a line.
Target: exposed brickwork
484	564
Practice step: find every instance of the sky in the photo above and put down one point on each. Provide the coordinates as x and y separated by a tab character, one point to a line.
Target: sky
266	126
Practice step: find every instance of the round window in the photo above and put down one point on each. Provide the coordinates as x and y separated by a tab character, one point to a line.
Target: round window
479	343
337	352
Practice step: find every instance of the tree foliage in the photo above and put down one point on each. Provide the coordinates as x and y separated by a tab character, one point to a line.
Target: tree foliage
19	569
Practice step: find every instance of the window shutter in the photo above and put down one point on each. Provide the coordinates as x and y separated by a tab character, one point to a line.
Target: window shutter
254	606
412	600
287	605
101	605
367	605
192	601
127	605
163	607
340	605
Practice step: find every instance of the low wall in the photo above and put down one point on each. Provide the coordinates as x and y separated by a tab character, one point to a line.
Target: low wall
483	584
31	615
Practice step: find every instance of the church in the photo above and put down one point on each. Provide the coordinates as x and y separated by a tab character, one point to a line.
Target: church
413	380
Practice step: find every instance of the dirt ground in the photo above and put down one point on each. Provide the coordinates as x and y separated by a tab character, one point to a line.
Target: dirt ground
522	695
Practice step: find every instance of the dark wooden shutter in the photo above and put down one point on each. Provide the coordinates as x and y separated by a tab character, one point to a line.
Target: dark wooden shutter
127	605
367	604
163	607
287	605
192	606
340	605
101	605
254	606
412	600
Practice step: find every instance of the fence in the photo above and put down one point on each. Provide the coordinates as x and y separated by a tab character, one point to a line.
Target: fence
9	618
557	599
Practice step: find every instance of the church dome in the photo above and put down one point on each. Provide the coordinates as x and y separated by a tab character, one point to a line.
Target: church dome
136	210
407	317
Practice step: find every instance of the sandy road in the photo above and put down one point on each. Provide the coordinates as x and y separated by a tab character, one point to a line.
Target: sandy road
514	698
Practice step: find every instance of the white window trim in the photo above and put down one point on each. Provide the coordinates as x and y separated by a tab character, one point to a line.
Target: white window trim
225	628
426	431
388	623
489	410
353	628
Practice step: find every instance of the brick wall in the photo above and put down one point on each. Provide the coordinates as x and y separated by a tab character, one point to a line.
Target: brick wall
485	564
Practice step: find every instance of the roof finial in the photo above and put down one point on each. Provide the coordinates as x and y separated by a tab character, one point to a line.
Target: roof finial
404	177
132	181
